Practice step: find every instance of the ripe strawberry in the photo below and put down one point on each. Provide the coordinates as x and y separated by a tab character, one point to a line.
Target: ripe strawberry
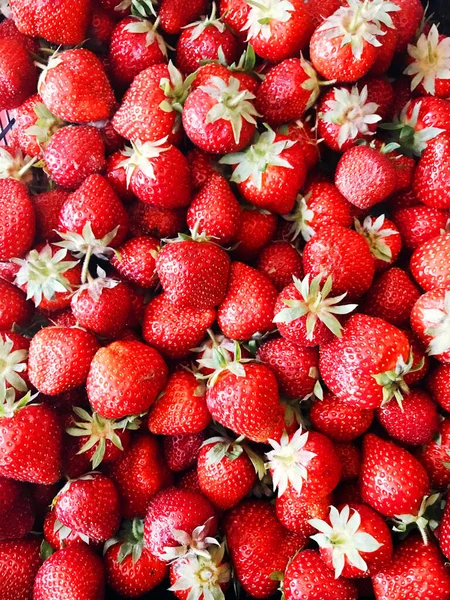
135	45
270	173
125	379
101	25
416	571
136	260
189	481
407	22
432	177
202	166
418	224
14	307
176	14
70	348
429	263
16	510
257	229
216	211
444	532
439	385
338	420
17	74
19	562
259	546
308	577
342	254
306	137
294	512
248	305
383	238
350	457
75	98
354	541
279	262
73	154
430	318
174	333
47	207
393	482
366	366
181	451
155	221
9	31
17	222
116	175
130	568
61	572
435	458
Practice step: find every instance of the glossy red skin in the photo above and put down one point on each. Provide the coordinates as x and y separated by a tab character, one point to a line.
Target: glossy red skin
16	510
328	205
9	31
294	512
19	563
429	263
18	74
139	474
438	384
175	14
444	533
420	356
234	13
338	420
304	135
393	241
418	224
433	112
156	222
47	207
406	22
190	53
117	177
17	222
433	457
181	451
202	166
52	537
279	262
392	480
432	175
256	230
14	308
421	325
350	457
206	72
386	53
137	260
26	117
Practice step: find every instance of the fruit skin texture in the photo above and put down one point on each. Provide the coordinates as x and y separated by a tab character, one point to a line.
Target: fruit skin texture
258	545
439	385
416	571
247	405
137	260
429	263
307	578
426	328
393	482
16	510
435	455
47	207
418	224
176	14
432	175
279	261
257	229
125	379
59	359
61	572
14	307
17	221
294	512
19	563
17	74
338	420
181	451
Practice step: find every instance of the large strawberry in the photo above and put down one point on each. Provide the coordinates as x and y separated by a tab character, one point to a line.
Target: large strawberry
19	562
17	74
17	220
429	263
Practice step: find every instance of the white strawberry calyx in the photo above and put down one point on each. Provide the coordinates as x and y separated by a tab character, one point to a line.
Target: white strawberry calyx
144	26
378	11
202	576
439	328
16	166
311	84
315	304
351	111
46	125
54	60
95	287
301	217
233	105
198	543
98	429
264	152
198	27
423	520
131	540
221	360
140	156
9	406
42	273
288	461
393	383
64	532
175	88
372	230
12	362
431	60
344	539
262	13
232	449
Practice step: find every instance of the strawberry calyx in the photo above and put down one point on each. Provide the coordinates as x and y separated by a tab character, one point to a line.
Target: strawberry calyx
63	532
42	273
96	286
440	328
425	520
315	304
198	27
9	406
431	60
46	125
197	544
144	26
393	383
245	64
16	166
176	89
232	104
344	539
131	540
139	8
139	157
12	362
301	217
372	230
54	60
262	13
221	360
263	153
224	446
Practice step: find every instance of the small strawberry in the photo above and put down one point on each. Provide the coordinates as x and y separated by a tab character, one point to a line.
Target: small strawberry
430	320
135	260
17	74
257	229
294	512
181	451
383	238
202	166
16	510
19	562
279	262
306	137
429	263
338	420
17	221
432	176
176	14
418	224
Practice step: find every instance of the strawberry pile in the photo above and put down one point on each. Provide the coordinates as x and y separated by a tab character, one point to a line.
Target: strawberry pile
224	300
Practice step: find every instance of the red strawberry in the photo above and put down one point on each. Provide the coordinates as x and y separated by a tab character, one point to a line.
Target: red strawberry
14	307
16	510
338	420
426	63
383	238
257	228
17	74
393	482
416	571
202	166
116	175
342	254
294	512
59	359
407	22
435	458
303	133
379	90
101	25
9	31
156	221
61	572
47	207
136	260
279	262
125	379
432	176
439	385
17	222
350	457
444	532
72	97
176	14
181	451
19	562
418	224
430	318
189	481
73	154
429	263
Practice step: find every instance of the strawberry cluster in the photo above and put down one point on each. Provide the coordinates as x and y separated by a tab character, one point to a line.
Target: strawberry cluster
224	300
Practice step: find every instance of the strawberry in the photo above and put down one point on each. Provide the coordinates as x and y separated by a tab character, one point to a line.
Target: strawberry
47	207
257	228
432	178
276	100
17	223
407	22
444	532
342	254
202	166
429	265
117	176
177	517
393	482
58	536
294	512
19	562
61	572
16	510
366	366
307	577
17	74
193	271
136	260
35	125
430	319
9	31
417	570
174	333
139	474
279	262
259	546
438	384
73	154
135	45
30	440
216	211
306	137
338	420
176	14
71	348
383	238
435	458
155	221
391	297
350	458
14	307
72	97
189	481
248	305
270	172
294	366
181	451
354	541
101	25
125	379
130	568
418	224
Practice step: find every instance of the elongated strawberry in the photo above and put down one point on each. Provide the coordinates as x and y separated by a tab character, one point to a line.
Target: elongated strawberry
17	74
16	207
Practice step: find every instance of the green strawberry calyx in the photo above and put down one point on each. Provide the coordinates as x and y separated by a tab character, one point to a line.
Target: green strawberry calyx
45	126
140	157
220	360
431	60
176	89
424	520
139	8
198	27
225	447
315	304
9	406
264	152
16	166
198	543
375	233
344	538
438	320
393	383
131	540
262	13
12	362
